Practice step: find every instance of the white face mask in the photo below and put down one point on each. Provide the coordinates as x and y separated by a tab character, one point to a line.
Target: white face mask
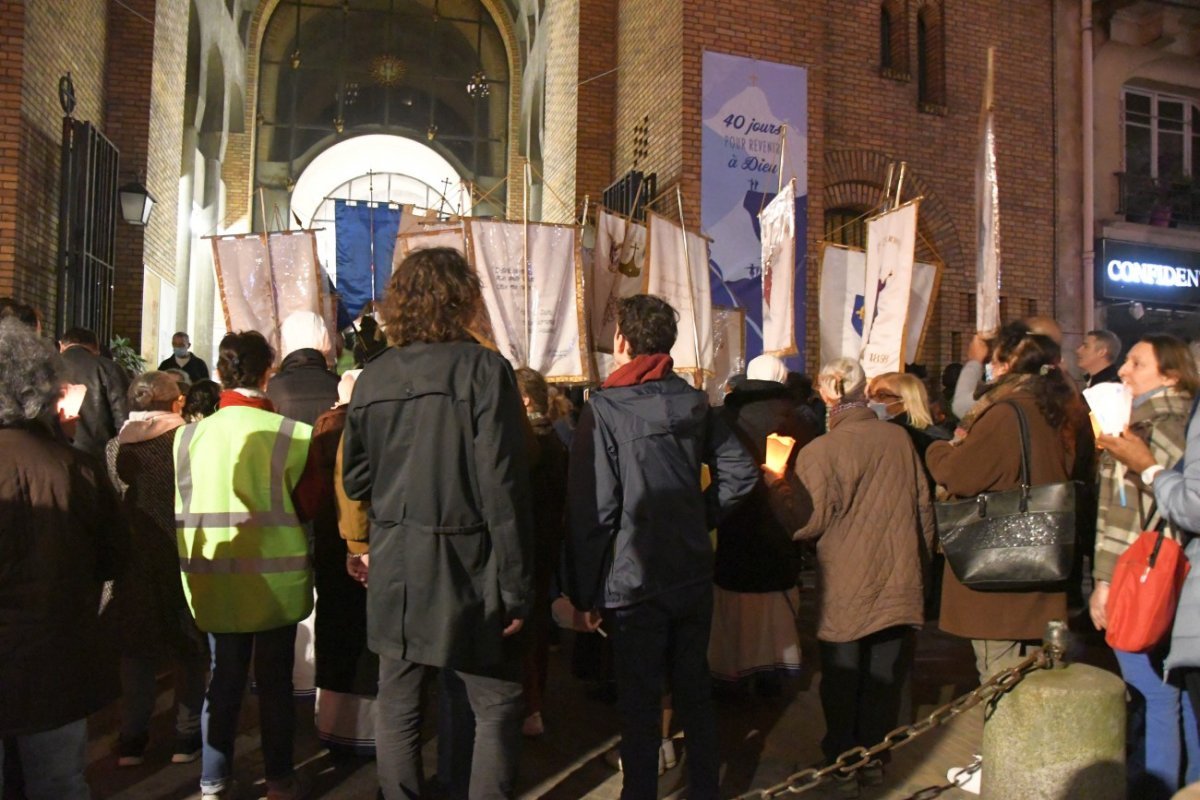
880	409
988	377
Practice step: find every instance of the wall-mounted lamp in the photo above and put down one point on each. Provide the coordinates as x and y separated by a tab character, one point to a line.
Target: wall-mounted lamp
136	203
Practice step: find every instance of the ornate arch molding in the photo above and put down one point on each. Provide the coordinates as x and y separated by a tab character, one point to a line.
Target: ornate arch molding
855	178
242	170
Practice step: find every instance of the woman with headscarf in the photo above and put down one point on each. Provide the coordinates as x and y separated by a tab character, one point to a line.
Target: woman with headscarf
859	492
754	634
154	618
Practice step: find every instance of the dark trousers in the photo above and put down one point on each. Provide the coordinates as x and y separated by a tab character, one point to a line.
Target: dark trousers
496	703
273	654
861	688
657	643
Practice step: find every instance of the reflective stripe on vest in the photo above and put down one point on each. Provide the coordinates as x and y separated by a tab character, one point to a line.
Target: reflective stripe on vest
275	517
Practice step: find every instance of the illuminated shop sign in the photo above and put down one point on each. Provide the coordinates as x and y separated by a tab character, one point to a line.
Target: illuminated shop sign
1150	274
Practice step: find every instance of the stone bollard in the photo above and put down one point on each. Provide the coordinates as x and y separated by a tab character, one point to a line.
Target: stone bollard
1057	735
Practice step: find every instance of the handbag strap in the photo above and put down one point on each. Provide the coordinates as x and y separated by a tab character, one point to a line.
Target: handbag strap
1025	450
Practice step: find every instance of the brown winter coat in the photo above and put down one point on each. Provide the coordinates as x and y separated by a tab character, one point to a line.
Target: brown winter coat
861	492
988	460
61	536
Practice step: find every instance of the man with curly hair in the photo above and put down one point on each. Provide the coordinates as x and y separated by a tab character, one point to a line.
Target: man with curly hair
434	440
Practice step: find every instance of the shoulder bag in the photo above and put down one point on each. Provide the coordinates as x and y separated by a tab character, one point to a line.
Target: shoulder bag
1020	539
1144	593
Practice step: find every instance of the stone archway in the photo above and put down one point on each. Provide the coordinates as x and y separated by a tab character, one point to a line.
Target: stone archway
240	153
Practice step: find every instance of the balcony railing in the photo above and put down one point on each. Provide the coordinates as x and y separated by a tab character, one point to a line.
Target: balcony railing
1164	202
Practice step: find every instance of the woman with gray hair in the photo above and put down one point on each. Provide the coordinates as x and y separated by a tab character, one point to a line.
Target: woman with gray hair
61	537
155	622
860	492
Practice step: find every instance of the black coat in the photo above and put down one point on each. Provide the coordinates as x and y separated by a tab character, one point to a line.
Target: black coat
435	439
638	520
61	536
104	406
755	550
195	367
304	388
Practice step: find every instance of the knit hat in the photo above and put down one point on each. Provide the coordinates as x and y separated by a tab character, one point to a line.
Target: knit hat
766	368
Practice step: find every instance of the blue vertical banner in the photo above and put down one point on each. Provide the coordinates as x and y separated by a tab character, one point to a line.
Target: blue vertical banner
746	105
366	239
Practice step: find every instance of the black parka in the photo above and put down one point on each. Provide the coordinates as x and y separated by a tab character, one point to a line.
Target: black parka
755	550
638	520
435	441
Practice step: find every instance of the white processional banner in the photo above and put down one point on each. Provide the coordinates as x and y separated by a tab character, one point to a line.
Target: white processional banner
548	287
987	209
777	223
843	281
667	275
843	276
441	234
263	281
616	272
891	239
729	350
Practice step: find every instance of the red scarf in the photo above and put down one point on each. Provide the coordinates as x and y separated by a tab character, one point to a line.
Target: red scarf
230	398
641	370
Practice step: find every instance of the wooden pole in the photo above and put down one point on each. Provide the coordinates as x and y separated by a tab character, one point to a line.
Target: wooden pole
782	156
887	184
899	184
525	266
687	260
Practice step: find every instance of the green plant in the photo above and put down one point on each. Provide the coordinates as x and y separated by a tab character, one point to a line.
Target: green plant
124	353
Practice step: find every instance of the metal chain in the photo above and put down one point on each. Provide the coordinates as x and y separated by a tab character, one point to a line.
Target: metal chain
849	763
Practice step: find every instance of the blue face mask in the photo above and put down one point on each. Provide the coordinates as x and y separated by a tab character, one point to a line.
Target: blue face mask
880	410
180	352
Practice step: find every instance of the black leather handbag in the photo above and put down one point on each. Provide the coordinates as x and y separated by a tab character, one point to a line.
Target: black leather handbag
1019	539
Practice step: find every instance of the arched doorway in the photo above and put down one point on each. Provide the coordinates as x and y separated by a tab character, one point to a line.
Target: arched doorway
373	169
435	73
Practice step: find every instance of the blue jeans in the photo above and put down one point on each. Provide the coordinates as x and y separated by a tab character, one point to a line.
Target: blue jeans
273	652
1157	753
53	763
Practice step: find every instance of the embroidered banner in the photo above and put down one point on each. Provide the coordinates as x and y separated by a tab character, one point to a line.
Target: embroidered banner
616	272
778	225
667	275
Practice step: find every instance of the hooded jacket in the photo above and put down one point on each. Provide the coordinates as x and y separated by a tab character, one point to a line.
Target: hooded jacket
304	388
638	518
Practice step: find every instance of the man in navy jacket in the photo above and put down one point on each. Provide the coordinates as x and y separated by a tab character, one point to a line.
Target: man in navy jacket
639	550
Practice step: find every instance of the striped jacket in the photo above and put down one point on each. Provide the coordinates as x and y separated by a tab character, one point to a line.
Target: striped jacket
1162	422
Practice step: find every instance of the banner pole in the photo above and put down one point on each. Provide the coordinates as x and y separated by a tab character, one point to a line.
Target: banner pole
899	185
887	184
687	260
782	158
525	265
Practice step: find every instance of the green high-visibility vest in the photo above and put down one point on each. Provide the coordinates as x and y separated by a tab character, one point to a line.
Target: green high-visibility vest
243	553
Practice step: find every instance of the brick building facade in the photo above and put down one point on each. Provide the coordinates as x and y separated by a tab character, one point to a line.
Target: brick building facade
617	87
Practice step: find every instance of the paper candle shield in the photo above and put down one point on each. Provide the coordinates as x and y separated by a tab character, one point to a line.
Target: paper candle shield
779	449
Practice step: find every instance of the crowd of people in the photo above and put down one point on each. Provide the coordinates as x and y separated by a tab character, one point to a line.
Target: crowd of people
444	512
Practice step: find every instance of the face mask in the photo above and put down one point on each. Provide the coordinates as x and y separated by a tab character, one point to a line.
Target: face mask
880	410
180	352
988	377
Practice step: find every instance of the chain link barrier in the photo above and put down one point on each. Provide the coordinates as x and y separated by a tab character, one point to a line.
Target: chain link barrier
854	760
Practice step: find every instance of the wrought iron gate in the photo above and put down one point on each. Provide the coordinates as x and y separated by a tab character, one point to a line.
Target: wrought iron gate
88	210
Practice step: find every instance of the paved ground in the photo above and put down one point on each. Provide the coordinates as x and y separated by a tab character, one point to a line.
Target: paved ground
763	740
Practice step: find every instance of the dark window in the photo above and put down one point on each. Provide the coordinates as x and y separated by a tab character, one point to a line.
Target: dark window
931	59
847	225
922	59
885	39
